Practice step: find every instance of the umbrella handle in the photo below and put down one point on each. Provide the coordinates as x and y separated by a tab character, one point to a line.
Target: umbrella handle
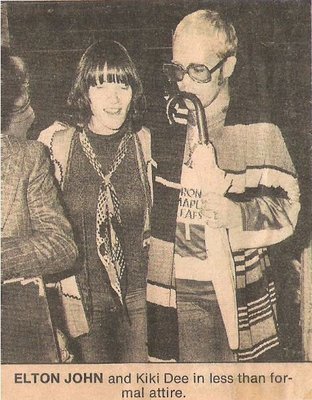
200	114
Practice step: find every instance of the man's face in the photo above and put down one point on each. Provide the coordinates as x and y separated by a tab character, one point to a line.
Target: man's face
189	49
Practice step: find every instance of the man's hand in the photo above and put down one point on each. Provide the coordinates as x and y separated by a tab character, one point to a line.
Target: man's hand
220	212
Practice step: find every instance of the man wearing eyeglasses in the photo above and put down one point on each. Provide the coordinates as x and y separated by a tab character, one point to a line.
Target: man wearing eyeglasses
186	295
201	66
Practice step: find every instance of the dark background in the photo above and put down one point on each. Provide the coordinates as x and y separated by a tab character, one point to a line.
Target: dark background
272	79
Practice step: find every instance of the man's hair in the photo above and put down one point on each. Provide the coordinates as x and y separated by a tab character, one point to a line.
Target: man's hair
14	80
92	71
209	23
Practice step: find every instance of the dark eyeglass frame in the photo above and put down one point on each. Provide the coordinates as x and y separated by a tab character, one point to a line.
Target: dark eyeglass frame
192	65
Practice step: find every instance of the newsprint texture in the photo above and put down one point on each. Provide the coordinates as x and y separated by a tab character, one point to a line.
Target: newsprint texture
156	200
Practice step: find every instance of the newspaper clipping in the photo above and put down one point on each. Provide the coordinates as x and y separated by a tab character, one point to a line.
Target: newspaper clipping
156	200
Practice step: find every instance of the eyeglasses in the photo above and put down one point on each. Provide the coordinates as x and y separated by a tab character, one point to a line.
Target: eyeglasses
198	72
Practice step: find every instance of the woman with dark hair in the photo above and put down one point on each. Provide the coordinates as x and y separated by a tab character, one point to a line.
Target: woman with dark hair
101	164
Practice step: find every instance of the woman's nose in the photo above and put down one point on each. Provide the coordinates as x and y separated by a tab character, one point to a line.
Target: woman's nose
112	94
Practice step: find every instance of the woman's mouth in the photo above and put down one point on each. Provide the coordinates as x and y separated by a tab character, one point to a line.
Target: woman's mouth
113	110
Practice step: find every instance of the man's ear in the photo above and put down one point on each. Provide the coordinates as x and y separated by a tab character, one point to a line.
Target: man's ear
228	67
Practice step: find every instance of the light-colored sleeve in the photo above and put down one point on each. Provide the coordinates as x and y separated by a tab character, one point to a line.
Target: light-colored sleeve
46	135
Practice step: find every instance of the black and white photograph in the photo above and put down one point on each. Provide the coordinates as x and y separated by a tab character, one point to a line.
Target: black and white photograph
156	193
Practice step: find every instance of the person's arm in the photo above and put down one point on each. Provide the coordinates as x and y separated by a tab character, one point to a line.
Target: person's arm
50	248
269	211
265	221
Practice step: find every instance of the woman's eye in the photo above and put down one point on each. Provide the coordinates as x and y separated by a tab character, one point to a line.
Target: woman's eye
108	85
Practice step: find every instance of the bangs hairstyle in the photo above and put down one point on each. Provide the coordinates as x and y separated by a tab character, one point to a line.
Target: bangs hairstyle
105	61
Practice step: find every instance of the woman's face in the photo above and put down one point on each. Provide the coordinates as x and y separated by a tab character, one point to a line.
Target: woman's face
110	103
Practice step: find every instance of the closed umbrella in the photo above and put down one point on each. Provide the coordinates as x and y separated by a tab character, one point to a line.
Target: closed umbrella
212	179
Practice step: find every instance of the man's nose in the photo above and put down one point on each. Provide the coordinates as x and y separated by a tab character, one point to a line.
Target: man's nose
186	84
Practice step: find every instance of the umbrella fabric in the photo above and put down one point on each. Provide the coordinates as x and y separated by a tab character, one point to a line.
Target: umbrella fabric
213	180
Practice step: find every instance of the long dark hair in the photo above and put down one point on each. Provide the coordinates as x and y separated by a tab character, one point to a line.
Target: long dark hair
90	71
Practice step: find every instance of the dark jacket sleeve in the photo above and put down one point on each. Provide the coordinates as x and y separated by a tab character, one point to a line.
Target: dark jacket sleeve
50	247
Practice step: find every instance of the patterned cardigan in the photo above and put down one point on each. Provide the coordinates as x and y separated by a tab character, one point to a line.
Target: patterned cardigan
264	183
59	138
